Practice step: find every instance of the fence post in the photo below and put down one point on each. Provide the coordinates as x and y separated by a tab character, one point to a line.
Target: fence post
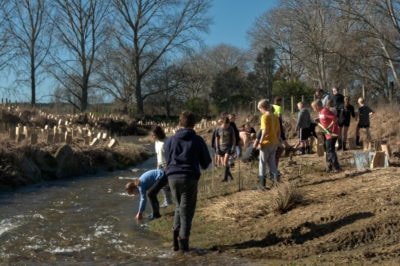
292	104
363	91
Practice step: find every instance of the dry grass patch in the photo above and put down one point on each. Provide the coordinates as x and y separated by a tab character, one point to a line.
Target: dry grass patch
287	196
242	206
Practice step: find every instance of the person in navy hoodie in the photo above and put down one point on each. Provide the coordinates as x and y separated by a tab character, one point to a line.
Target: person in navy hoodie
185	153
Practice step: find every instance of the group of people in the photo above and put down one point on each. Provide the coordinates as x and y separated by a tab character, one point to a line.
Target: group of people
246	144
334	116
181	156
179	160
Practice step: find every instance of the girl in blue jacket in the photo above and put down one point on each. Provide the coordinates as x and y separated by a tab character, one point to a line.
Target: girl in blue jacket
148	185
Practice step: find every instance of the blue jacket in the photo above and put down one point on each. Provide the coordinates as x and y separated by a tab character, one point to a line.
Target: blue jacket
146	181
185	153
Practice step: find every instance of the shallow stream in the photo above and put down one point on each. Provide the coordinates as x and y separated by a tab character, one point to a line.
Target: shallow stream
86	221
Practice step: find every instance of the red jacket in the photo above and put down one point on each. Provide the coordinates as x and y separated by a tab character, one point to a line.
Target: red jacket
329	121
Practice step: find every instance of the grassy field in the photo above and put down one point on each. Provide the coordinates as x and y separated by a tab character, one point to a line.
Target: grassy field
311	218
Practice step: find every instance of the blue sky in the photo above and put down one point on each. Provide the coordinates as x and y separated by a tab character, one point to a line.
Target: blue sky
233	18
231	21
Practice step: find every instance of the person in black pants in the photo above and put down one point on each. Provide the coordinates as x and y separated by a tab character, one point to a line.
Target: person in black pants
148	185
186	153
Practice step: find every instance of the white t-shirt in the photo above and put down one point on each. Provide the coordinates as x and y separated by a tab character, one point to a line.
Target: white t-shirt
159	147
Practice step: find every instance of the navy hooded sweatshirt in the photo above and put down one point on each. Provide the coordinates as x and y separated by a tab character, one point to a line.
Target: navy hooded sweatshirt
185	153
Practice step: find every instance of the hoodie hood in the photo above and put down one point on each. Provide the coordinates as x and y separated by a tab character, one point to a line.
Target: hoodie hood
185	153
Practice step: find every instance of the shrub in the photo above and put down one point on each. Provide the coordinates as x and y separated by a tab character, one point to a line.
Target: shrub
287	196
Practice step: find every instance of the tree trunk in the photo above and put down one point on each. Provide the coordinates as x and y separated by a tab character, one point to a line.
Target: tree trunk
139	98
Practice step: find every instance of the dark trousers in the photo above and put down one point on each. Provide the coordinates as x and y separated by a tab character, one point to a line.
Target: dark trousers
331	155
184	192
152	195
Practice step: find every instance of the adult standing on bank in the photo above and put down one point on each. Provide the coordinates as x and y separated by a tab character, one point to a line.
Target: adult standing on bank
363	115
185	153
303	127
267	144
320	94
344	120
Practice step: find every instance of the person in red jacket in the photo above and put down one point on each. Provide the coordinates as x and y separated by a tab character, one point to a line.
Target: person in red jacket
328	122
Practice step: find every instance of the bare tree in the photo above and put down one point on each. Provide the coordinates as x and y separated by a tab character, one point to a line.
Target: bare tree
168	84
196	73
377	34
274	29
115	77
81	31
204	66
301	33
199	72
5	46
224	57
334	42
31	33
147	30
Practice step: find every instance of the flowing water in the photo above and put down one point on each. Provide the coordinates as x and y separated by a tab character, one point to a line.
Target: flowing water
86	221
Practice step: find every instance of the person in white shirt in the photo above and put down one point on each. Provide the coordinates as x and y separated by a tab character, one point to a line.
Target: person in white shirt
159	140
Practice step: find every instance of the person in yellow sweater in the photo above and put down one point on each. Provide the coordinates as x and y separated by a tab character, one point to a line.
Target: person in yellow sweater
268	143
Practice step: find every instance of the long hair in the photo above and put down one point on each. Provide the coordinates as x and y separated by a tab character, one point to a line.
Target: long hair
158	133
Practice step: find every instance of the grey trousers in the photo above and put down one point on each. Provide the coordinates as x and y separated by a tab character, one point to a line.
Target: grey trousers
184	192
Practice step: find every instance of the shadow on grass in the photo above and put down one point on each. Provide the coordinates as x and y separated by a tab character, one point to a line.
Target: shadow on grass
303	233
346	176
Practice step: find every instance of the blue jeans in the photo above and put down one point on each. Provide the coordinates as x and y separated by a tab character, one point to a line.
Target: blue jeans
267	157
184	192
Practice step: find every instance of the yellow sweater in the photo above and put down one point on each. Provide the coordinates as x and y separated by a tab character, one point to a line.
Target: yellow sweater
270	122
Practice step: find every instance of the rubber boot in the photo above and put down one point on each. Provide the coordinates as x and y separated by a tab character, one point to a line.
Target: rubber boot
328	167
183	244
340	144
156	215
175	235
226	174
262	182
344	146
229	173
337	167
358	140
